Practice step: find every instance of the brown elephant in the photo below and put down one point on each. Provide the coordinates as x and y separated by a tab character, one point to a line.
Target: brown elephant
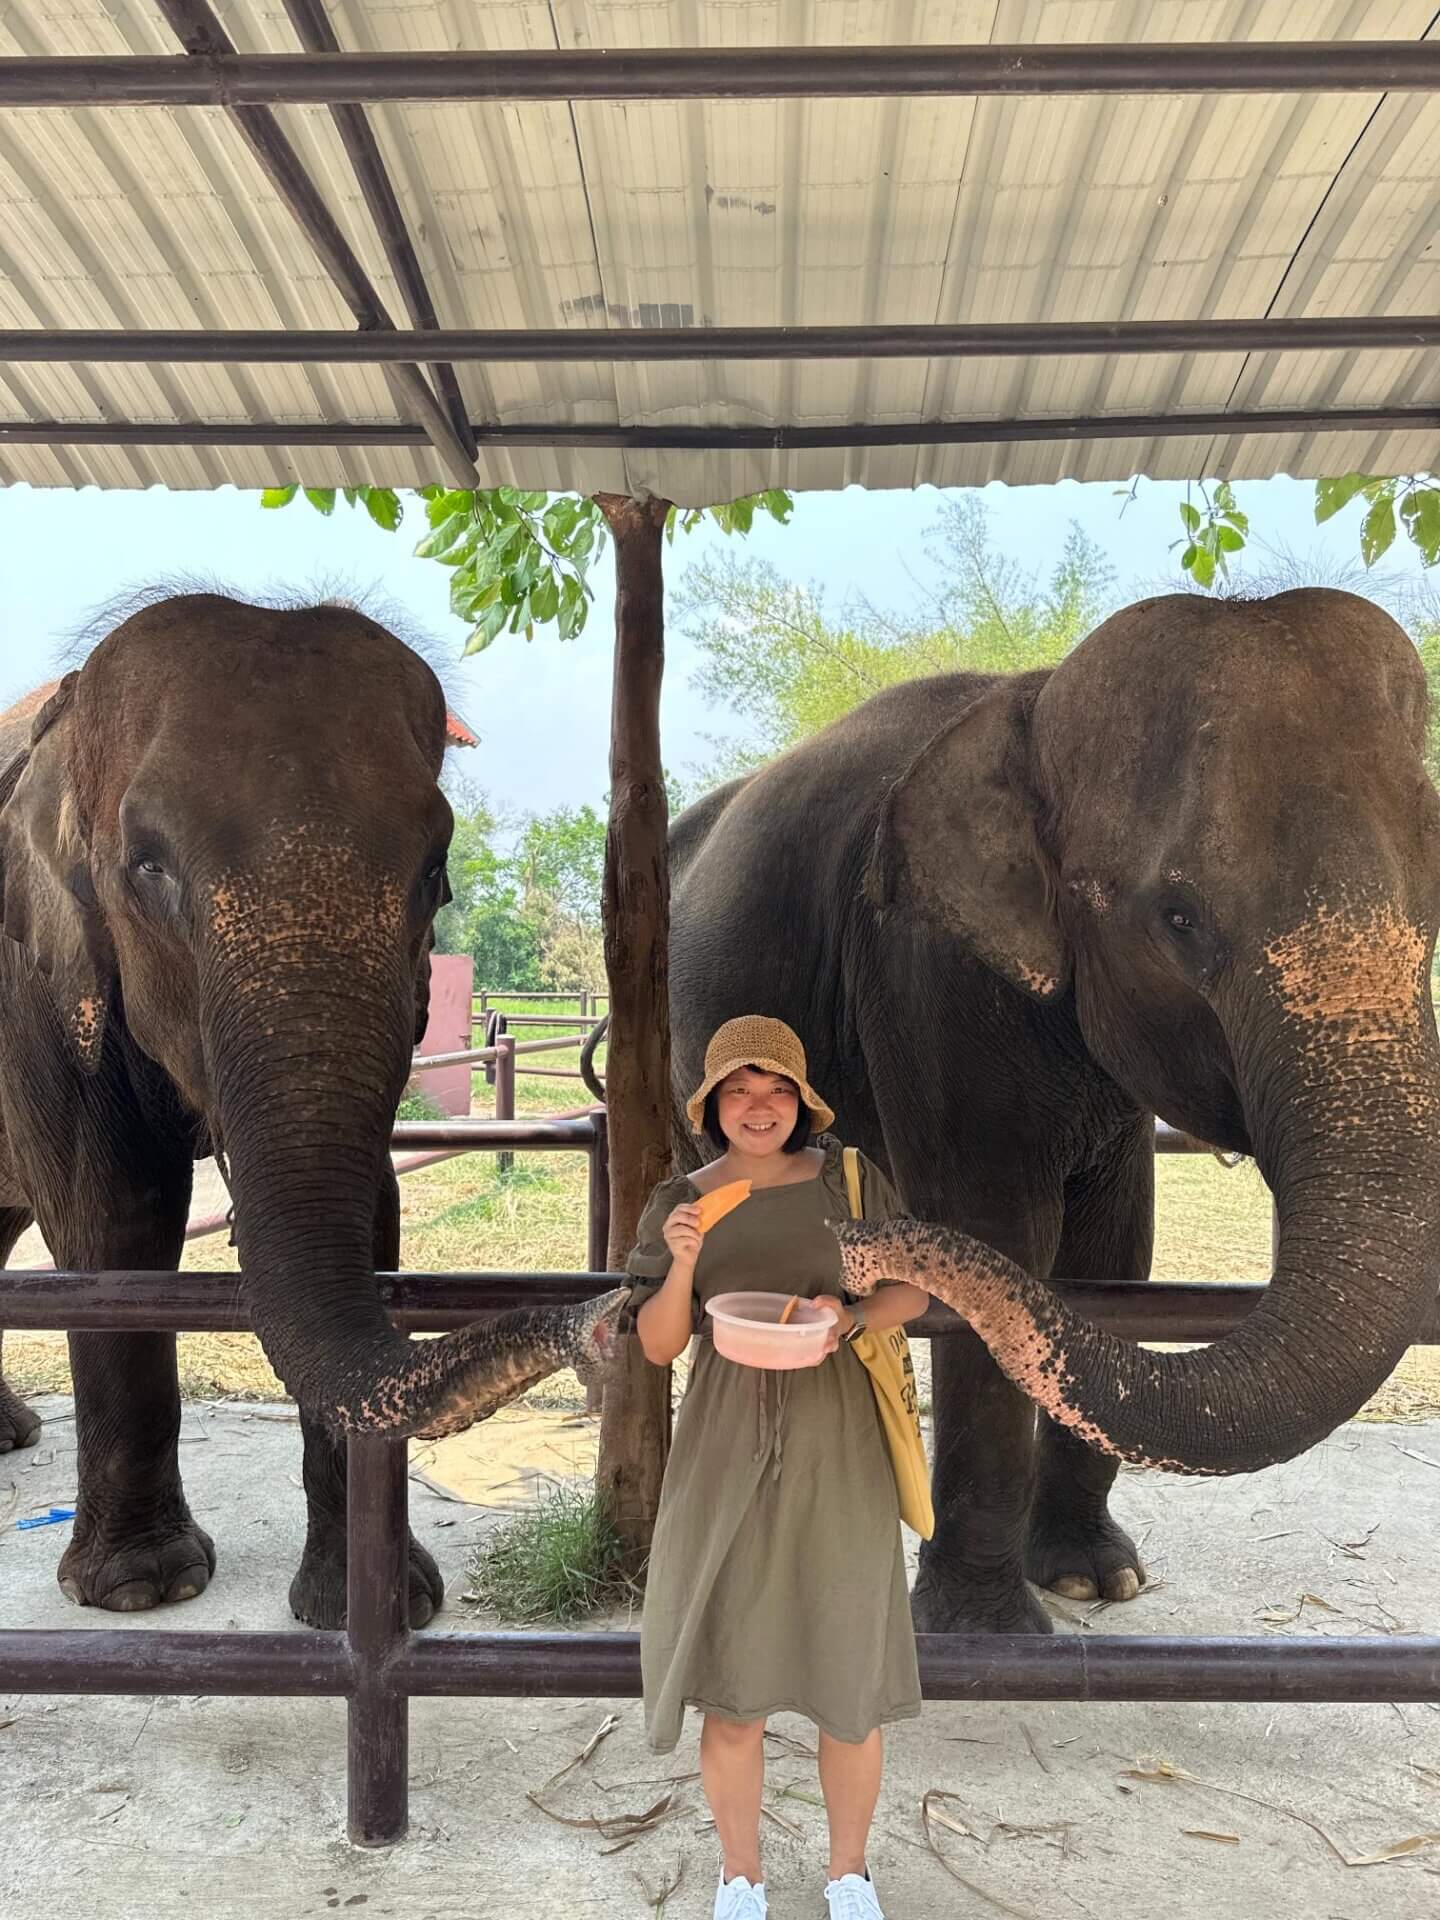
222	848
1193	871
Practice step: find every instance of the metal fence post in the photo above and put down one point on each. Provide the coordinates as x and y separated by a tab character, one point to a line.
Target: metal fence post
378	1623
505	1089
597	1239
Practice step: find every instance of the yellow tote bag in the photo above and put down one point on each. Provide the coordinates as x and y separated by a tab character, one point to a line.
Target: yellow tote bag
886	1357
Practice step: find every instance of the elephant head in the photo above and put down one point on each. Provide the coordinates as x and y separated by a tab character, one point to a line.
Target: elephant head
226	847
1213	826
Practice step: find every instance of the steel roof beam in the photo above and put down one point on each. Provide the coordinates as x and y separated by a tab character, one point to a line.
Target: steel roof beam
195	26
1400	333
924	433
221	77
357	136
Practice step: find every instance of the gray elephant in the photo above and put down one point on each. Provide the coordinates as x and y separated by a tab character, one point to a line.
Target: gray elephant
1192	871
222	848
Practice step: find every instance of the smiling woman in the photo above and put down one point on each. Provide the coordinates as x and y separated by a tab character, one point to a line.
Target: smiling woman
778	1540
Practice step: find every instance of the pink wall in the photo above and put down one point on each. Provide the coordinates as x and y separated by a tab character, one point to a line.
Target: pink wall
451	985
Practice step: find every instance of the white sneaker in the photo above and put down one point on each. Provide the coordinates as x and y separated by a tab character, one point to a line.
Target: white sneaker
853	1898
738	1899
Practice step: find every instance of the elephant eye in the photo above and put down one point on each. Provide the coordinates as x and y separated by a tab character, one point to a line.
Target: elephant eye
1177	918
148	866
434	873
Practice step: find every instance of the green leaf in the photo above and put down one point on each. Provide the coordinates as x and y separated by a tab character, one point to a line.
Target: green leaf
545	599
383	506
445	535
778	503
1224	498
560	517
278	496
1332	495
533	502
1203	570
1230	539
1190	516
1423	525
444	502
321	498
1189	557
1378	531
490	623
1240	521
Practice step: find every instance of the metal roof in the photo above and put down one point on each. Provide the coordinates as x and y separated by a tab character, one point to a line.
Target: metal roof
715	212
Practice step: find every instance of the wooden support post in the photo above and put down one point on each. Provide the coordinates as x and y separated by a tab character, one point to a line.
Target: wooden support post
504	1091
635	1428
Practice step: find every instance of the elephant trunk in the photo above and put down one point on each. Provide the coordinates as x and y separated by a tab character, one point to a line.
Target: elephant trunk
1347	1132
306	1080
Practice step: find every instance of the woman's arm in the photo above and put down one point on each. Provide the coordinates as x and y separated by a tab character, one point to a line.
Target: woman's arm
889	1306
665	1322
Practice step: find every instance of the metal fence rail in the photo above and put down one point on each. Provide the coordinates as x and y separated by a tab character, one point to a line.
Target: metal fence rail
377	1666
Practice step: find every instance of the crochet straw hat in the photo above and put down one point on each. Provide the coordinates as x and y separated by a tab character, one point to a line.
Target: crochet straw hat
755	1041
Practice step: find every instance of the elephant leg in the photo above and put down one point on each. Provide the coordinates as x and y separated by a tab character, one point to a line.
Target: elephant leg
134	1543
1075	1547
19	1425
972	1574
317	1593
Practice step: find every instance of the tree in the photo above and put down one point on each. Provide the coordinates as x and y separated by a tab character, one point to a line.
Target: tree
772	653
518	560
1215	530
486	917
560	859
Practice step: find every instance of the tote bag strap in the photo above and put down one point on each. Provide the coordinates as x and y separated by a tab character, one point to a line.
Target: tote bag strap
850	1159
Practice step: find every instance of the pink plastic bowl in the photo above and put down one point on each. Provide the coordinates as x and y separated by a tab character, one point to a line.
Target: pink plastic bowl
747	1329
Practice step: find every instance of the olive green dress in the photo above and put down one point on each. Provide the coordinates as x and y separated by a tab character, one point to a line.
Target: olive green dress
777	1575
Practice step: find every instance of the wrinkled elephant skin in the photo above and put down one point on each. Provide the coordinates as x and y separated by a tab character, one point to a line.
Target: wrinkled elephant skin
1192	871
222	848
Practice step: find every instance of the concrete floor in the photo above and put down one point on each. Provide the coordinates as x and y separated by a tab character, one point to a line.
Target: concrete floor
229	1807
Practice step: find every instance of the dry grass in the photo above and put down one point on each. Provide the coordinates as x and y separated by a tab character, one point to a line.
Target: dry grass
1212	1224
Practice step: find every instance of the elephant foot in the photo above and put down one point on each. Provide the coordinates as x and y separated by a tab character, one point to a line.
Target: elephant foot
961	1601
145	1569
1083	1557
19	1427
317	1593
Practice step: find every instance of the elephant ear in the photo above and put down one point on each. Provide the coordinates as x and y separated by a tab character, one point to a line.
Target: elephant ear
957	845
47	899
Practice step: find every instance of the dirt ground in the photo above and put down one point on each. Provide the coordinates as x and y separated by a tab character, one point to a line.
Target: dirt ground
184	1806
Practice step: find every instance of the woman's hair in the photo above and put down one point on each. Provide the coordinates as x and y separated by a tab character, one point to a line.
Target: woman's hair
715	1133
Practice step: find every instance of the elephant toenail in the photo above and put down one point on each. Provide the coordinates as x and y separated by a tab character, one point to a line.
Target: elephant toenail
1123	1585
1076	1586
136	1596
71	1591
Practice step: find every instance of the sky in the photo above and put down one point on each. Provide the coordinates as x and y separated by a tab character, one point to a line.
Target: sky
542	709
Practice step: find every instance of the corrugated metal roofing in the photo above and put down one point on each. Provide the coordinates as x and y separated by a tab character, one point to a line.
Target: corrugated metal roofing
738	213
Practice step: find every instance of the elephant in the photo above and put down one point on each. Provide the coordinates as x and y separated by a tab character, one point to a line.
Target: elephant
222	848
1192	872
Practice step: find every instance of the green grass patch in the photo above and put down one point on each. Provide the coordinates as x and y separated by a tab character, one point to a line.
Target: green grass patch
419	1106
559	1560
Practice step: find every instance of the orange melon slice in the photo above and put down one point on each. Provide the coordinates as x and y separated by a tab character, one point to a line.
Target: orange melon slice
721	1200
789	1308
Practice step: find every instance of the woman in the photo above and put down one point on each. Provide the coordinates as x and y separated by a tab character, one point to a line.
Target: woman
777	1579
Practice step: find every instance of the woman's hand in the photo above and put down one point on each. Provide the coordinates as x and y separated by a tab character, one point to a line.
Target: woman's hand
682	1233
841	1318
